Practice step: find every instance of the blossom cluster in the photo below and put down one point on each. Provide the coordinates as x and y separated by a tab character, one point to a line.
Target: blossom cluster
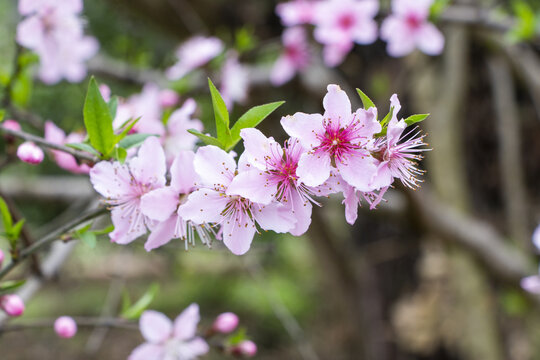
54	30
339	24
179	340
270	186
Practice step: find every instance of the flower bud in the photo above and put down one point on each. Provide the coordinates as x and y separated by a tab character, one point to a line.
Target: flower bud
246	348
168	98
12	304
2	256
30	153
11	125
225	323
65	327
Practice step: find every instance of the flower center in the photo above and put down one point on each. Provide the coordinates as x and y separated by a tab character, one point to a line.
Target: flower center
413	21
346	21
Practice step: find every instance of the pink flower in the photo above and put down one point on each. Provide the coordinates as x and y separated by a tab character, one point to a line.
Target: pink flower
176	137
66	161
146	106
531	284
124	185
408	27
225	323
65	327
397	159
162	205
168	98
194	53
337	139
30	153
165	340
234	81
12	305
55	32
2	257
271	175
294	58
246	348
341	23
11	125
352	199
105	91
297	12
214	203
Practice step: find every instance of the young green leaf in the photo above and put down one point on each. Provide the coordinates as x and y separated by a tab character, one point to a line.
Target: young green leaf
89	238
21	90
104	231
7	287
221	115
366	101
113	105
83	147
14	233
98	120
133	140
120	154
387	118
135	310
208	140
126	128
413	119
251	119
7	220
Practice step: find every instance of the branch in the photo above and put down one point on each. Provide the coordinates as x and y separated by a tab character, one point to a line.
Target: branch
108	322
25	253
41	141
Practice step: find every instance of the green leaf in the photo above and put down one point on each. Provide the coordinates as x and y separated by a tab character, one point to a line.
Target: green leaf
21	89
126	128
126	302
208	140
133	140
413	119
113	105
387	118
15	232
437	9
83	147
251	119
221	115
7	220
7	287
366	101
86	236
238	336
104	231
135	310
120	154
2	115
98	120
526	22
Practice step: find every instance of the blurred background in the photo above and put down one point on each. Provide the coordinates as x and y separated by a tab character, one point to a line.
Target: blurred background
430	274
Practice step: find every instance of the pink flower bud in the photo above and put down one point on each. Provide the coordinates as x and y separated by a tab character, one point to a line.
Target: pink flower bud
225	323
168	98
30	153
246	348
11	125
12	304
1	258
105	92
65	327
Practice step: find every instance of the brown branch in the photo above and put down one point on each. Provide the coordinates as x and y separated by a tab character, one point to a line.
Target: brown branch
108	322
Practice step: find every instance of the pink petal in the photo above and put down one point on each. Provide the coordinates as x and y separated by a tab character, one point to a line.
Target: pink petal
196	347
185	325
531	284
257	147
147	351
214	166
111	180
351	202
30	33
126	227
160	204
238	235
53	133
430	39
313	168
394	130
369	124
366	32
358	170
536	238
149	166
183	176
161	234
304	127
155	327
275	217
383	177
337	105
334	54
397	34
302	213
253	185
203	206
282	71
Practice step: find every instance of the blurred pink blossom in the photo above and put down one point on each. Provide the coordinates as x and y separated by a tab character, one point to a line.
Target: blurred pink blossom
177	138
168	98
234	81
65	327
66	161
30	153
294	58
297	12
12	305
167	340
246	348
225	323
408	28
194	53
341	23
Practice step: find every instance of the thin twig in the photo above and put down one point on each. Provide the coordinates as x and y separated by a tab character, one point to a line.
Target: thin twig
108	322
41	141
